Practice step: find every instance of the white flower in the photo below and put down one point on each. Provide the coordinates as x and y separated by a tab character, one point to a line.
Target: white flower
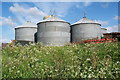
18	71
118	62
88	59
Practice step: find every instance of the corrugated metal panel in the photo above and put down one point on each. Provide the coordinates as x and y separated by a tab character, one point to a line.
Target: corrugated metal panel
103	30
54	41
23	42
53	33
85	30
26	32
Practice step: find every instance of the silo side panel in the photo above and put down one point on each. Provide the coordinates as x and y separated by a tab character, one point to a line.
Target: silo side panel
84	32
25	34
53	33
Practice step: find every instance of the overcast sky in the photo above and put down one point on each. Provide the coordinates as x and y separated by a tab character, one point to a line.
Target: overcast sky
17	13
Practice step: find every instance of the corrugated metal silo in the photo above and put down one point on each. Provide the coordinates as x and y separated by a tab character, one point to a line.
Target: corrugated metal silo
85	29
26	32
103	30
53	31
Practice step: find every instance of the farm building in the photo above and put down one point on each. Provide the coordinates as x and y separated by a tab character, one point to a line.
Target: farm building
103	30
25	33
112	35
85	29
53	31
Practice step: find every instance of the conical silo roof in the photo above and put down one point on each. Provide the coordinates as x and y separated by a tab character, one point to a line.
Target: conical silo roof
52	18
85	20
27	24
104	28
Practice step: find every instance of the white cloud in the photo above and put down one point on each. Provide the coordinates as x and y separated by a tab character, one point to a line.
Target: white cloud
103	22
59	0
24	14
83	5
116	18
7	21
104	5
112	28
86	4
59	8
5	40
16	8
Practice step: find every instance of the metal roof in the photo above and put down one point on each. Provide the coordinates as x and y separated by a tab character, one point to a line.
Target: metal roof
27	24
86	20
104	28
51	18
112	33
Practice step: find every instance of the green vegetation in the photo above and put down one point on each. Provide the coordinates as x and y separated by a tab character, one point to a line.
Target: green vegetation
70	61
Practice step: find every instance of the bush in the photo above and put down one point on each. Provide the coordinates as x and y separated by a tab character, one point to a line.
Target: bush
70	61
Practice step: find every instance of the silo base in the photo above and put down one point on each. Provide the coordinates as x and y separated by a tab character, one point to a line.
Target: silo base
23	42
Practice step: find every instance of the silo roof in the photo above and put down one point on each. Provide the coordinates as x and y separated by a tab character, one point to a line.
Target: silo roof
51	18
86	20
27	24
104	28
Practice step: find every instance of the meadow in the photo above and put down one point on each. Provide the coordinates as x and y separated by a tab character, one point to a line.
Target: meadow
71	61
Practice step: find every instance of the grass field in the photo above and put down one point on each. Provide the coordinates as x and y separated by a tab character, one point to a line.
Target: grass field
70	61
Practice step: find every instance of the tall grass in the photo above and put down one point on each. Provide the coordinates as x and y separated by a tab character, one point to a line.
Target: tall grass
70	61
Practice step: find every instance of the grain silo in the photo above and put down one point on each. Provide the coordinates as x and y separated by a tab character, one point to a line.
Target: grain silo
25	33
85	29
53	31
103	30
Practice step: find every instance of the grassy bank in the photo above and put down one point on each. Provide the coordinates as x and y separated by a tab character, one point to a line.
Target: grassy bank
71	61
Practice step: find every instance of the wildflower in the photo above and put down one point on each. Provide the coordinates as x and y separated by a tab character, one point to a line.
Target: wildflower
18	71
56	70
47	52
118	62
89	76
88	59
